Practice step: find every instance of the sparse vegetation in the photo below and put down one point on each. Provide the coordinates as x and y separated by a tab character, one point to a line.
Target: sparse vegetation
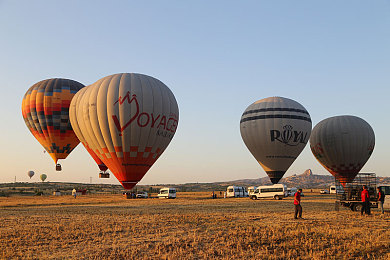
192	226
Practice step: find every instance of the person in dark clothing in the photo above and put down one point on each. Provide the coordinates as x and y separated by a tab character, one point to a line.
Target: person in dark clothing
365	201
381	200
297	203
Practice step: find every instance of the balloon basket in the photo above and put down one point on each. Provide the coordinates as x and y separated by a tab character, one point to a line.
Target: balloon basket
129	195
58	167
104	175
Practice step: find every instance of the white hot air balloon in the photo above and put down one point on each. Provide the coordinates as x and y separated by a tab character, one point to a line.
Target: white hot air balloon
343	144
30	174
127	120
76	128
275	130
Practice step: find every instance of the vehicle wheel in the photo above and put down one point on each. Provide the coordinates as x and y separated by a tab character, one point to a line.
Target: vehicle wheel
254	197
276	197
357	207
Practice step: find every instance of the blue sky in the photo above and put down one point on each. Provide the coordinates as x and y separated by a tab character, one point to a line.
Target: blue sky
333	57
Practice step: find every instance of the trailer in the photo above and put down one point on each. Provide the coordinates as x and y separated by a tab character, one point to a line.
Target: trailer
350	195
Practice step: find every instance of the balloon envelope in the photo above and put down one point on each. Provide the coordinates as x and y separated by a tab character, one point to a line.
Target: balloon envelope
275	130
342	144
30	174
45	109
76	128
127	120
43	177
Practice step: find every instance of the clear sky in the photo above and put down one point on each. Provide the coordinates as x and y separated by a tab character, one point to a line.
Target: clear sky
217	57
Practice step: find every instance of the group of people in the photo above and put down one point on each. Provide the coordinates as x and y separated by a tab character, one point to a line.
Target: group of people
365	202
366	208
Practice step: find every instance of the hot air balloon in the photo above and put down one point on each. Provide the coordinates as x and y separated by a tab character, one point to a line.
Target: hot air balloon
45	110
127	120
342	144
30	174
43	177
275	130
76	128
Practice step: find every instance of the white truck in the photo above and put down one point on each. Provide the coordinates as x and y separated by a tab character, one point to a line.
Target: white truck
167	193
350	195
276	191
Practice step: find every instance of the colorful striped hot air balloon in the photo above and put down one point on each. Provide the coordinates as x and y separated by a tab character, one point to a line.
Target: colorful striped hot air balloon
275	130
43	177
45	109
127	120
343	144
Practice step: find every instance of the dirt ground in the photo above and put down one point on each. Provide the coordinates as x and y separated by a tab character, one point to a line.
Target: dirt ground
193	226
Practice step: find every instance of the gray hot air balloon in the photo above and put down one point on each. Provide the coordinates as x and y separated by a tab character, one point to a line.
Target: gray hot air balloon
275	130
30	174
342	144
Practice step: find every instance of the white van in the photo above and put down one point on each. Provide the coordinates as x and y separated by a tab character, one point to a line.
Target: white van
236	192
386	191
167	193
251	190
333	189
276	191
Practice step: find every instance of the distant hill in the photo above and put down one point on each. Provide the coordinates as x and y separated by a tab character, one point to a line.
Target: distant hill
305	180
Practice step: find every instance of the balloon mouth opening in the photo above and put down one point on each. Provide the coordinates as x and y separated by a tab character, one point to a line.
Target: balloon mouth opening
275	180
128	185
275	176
344	180
103	167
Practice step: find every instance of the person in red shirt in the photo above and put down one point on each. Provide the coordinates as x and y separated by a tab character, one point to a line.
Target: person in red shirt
365	201
297	203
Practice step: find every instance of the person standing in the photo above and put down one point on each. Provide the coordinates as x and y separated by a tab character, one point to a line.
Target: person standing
297	203
74	193
381	199
365	201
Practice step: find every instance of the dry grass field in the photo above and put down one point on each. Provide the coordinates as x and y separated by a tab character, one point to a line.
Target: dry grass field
193	226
